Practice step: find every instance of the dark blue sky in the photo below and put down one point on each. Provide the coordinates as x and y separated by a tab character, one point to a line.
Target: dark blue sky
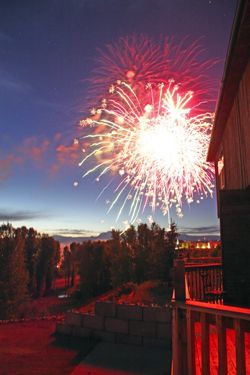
47	50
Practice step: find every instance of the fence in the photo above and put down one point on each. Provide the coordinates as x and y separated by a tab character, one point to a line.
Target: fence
205	282
203	332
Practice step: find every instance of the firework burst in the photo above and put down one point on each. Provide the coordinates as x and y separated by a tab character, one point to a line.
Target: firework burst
138	60
134	59
154	143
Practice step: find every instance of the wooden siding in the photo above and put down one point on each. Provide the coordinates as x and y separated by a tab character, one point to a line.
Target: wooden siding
236	138
235	237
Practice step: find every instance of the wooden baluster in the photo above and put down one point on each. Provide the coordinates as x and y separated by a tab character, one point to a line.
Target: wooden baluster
200	286
190	344
189	283
177	325
222	345
240	348
195	284
215	280
218	286
219	279
205	360
187	288
192	285
213	285
179	280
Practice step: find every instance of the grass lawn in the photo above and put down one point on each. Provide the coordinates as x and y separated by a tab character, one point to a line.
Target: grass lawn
30	348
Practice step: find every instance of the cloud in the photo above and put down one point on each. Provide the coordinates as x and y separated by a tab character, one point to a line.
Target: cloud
40	152
65	155
196	231
58	136
5	167
47	103
33	149
7	216
73	232
5	37
9	83
13	84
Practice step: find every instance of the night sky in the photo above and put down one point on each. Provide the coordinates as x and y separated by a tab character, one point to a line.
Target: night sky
47	54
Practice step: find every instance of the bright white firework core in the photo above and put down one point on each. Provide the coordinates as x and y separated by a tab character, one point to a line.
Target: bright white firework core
161	143
158	149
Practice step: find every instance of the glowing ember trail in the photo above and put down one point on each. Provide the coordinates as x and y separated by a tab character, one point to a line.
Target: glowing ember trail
155	144
137	60
134	59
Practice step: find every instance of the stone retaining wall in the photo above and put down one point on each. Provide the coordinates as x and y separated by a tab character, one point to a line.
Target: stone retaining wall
121	323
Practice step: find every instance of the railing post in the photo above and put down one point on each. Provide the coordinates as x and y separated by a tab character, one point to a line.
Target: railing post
179	280
176	342
190	343
179	334
179	321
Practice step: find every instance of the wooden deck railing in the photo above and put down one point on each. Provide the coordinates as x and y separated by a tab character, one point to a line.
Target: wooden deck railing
205	282
205	335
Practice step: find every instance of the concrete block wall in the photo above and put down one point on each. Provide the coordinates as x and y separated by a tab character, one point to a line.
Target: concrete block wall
122	323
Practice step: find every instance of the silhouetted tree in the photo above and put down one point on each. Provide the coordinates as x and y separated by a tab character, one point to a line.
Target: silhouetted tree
48	257
13	275
157	254
134	255
120	261
94	269
32	244
74	263
66	265
142	250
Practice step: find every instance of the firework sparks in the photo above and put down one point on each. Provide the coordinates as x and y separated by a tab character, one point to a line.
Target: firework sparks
154	144
134	59
138	60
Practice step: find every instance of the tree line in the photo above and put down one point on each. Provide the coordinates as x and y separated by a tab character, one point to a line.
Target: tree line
28	266
29	262
137	254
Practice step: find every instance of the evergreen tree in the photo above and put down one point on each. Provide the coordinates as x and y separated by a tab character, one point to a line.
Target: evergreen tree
157	256
67	265
32	245
142	250
87	270
120	263
13	274
48	258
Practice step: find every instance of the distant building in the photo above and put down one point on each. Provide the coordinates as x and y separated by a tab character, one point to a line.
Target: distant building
230	151
192	245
